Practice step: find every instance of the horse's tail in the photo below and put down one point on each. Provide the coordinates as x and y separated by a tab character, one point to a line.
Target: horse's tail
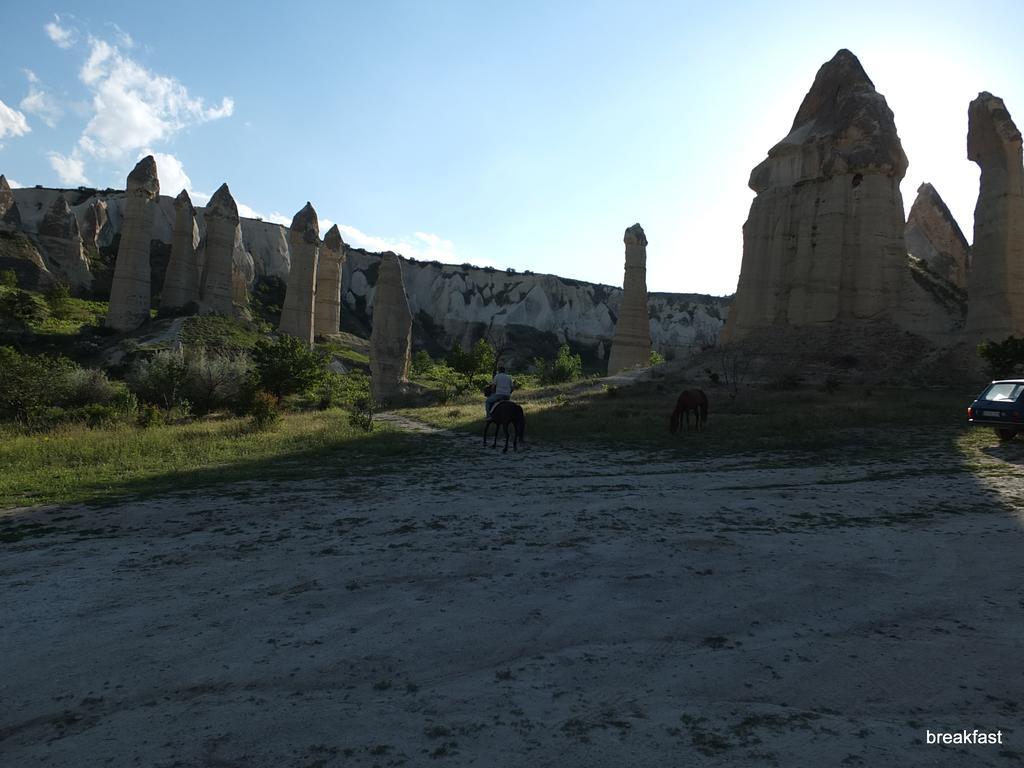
673	422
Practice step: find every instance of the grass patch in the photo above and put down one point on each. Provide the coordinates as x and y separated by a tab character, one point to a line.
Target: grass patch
218	332
74	315
78	464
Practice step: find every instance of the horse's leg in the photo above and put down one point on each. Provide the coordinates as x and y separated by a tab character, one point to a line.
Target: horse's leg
495	443
486	425
506	438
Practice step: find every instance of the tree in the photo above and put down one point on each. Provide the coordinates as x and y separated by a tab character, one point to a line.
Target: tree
1004	358
21	309
565	367
287	366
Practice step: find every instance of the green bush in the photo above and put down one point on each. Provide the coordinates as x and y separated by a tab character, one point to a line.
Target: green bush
265	410
565	367
8	278
150	415
58	299
20	310
479	361
30	382
287	366
82	386
159	378
361	414
1004	358
656	358
341	389
421	363
214	380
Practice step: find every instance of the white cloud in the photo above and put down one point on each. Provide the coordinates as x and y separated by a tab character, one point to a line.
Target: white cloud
171	173
424	246
134	108
12	122
122	37
70	168
39	102
14	184
62	36
247	212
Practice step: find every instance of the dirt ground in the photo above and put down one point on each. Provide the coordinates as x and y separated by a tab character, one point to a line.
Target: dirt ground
554	607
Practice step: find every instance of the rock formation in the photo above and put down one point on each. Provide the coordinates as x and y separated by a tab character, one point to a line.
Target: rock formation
129	292
391	339
61	242
94	220
222	231
996	282
933	236
304	244
181	284
631	345
327	313
10	216
824	238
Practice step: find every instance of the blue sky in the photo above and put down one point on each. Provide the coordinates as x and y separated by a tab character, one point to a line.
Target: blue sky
525	135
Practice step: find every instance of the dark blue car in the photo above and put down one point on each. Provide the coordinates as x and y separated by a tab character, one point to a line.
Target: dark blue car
1000	406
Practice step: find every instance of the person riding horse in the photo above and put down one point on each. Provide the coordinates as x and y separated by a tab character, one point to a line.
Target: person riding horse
499	389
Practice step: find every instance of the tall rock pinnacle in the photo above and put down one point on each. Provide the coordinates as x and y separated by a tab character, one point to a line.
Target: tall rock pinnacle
129	291
327	313
391	337
304	244
223	237
824	237
631	345
996	283
181	284
933	236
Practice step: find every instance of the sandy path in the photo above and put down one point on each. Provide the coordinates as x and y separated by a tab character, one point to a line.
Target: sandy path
552	607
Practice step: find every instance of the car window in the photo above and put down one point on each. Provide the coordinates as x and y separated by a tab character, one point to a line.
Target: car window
1003	392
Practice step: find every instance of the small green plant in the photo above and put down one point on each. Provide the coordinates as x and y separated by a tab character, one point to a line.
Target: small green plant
421	363
1004	358
565	367
8	278
264	410
287	366
20	310
361	415
58	298
150	415
656	358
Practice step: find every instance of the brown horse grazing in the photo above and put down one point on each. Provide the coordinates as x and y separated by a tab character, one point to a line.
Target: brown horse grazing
690	400
504	413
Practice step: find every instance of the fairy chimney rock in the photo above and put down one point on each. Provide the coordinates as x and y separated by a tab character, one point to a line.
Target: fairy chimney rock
222	233
996	281
824	237
129	291
631	344
10	216
933	236
304	245
61	240
181	284
94	220
327	313
391	338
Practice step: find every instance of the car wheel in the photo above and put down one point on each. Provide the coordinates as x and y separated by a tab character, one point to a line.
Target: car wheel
1006	434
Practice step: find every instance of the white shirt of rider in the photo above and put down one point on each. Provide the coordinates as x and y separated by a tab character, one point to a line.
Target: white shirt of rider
502	384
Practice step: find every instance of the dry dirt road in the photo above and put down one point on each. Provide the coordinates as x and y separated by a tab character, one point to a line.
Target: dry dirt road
557	607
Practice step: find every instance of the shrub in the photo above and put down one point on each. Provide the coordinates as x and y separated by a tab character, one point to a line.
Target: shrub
264	410
82	386
58	299
214	380
287	366
479	361
341	389
421	363
565	367
159	378
1004	358
30	382
8	278
362	412
21	310
150	415
656	358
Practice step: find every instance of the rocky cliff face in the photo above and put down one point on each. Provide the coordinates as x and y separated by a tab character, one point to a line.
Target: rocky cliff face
449	302
934	237
997	270
824	238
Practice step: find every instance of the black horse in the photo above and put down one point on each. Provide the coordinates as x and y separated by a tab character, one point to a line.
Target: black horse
689	400
504	413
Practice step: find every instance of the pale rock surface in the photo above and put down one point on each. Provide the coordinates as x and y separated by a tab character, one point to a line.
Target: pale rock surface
996	284
824	238
92	220
61	244
304	245
391	339
181	284
631	344
129	292
327	313
10	216
933	236
222	239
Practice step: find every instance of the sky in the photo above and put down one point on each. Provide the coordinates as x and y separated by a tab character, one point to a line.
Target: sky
527	135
